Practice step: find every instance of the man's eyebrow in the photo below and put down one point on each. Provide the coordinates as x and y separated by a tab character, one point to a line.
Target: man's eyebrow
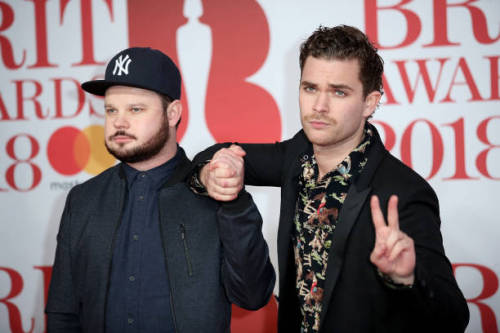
128	105
307	83
340	86
331	85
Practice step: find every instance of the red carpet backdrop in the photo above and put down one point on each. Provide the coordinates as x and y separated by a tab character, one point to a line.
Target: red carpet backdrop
239	60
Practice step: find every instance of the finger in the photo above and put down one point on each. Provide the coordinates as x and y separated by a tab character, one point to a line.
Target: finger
399	248
234	151
393	237
233	161
225	178
217	189
224	173
377	216
221	197
378	252
221	164
216	185
237	150
392	212
228	182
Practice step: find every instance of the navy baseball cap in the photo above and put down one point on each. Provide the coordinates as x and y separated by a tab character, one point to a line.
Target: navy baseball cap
140	67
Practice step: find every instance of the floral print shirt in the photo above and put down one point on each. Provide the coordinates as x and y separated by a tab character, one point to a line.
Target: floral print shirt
316	216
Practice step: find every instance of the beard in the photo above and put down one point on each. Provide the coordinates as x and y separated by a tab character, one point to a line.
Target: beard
144	152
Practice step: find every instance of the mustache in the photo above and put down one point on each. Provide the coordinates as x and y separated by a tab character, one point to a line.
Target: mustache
121	133
321	119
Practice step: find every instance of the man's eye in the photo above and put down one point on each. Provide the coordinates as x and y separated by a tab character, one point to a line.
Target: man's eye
110	110
135	110
339	93
309	89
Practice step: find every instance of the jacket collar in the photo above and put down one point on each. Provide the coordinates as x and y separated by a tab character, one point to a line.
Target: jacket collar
182	170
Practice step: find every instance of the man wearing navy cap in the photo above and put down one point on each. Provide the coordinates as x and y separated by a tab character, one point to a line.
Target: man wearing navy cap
137	251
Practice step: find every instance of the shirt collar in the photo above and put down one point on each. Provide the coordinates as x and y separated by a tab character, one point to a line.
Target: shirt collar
158	175
310	168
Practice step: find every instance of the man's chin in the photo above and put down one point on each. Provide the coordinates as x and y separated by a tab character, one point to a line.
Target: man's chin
120	153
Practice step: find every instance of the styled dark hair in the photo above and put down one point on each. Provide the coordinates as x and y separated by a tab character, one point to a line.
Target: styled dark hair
346	43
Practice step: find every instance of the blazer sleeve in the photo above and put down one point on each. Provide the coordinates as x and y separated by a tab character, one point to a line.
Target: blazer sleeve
62	309
437	295
264	163
247	272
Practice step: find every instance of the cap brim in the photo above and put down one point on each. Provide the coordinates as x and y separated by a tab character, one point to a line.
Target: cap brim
99	87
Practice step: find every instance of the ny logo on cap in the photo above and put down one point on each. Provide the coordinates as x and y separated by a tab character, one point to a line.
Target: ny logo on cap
121	65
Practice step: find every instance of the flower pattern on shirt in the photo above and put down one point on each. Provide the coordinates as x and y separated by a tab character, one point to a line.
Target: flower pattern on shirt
316	217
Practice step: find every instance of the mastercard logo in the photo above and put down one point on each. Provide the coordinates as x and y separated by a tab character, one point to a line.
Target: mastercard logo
71	150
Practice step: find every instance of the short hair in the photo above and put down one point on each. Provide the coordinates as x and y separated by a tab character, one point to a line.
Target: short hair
165	102
344	42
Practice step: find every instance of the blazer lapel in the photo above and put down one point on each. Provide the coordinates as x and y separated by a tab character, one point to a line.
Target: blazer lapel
356	198
347	218
288	201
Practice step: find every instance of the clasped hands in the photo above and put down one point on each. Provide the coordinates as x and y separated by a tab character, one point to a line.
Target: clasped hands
394	251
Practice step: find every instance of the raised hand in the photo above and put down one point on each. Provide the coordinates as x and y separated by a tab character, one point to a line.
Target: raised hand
394	251
223	176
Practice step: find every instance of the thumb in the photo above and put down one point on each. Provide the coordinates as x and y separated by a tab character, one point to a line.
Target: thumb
237	150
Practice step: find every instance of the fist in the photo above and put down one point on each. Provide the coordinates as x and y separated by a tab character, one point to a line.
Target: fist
223	176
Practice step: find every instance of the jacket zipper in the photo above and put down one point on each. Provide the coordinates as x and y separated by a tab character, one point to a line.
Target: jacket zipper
186	249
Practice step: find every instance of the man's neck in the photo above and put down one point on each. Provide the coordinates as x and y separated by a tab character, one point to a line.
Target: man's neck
329	157
162	157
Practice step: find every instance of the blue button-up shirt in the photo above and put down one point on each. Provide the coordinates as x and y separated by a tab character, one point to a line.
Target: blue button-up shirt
139	294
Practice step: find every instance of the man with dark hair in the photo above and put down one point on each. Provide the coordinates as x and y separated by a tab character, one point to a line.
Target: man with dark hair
137	251
342	267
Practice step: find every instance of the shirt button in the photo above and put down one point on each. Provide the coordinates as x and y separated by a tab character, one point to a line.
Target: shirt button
141	197
143	175
131	278
130	320
135	237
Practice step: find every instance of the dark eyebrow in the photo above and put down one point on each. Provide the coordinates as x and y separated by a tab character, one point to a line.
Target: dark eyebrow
333	86
307	83
129	105
340	86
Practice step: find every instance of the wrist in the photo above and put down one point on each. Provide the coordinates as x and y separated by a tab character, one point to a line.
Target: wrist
195	182
397	282
204	174
404	280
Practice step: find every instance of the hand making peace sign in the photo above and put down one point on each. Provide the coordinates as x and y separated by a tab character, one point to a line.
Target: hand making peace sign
394	251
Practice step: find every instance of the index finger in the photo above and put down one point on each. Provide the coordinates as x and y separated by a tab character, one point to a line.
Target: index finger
392	212
221	164
377	216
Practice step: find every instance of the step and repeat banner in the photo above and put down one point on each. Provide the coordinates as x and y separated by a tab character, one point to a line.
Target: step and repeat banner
239	62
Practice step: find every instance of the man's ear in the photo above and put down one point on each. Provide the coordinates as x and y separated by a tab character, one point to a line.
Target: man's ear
371	103
174	112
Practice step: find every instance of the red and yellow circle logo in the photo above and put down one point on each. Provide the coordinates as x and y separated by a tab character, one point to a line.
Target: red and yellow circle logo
71	150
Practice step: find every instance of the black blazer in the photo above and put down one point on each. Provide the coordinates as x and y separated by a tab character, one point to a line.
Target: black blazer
355	299
215	255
